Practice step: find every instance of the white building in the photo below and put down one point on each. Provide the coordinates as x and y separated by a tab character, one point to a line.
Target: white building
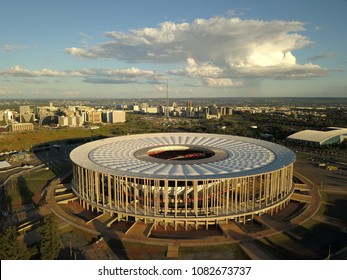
333	136
150	110
63	121
117	116
72	121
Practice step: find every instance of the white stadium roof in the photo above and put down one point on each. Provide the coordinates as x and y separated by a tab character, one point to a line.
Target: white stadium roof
233	156
318	137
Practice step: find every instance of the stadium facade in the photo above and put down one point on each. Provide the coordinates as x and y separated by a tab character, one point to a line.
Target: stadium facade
183	179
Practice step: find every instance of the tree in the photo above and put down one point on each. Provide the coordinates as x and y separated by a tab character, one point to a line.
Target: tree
49	244
11	248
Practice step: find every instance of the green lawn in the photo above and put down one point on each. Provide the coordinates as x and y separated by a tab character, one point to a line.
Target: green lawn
28	186
28	139
301	155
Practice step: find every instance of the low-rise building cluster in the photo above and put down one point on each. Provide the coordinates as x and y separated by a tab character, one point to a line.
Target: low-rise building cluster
71	116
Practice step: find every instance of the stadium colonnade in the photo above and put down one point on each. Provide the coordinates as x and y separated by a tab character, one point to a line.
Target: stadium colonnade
186	180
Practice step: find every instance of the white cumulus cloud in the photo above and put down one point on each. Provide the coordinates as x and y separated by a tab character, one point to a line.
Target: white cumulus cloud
219	47
208	74
106	76
18	71
78	52
221	82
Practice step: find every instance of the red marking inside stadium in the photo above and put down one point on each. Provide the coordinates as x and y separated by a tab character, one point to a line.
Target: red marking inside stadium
179	153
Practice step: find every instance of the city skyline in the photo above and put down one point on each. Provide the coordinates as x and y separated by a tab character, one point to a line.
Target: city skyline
107	49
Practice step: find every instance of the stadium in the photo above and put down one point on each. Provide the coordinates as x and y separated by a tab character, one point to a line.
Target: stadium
182	180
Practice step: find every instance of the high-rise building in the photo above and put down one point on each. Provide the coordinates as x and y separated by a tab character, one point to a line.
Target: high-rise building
63	121
229	110
134	107
79	120
117	117
72	121
94	117
24	110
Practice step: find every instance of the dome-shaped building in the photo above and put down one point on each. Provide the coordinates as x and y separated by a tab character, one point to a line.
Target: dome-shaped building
183	179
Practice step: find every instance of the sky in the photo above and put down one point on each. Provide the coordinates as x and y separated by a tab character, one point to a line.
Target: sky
199	48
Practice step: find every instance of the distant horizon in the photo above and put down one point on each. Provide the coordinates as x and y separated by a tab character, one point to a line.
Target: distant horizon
179	98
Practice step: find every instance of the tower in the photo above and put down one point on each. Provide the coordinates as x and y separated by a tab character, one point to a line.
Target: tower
167	99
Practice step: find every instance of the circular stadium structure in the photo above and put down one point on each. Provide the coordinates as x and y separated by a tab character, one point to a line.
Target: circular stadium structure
183	179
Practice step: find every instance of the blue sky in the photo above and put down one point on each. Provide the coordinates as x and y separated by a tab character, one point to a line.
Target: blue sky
221	48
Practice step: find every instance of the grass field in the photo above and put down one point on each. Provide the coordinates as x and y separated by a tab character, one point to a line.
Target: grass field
27	139
300	155
27	187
